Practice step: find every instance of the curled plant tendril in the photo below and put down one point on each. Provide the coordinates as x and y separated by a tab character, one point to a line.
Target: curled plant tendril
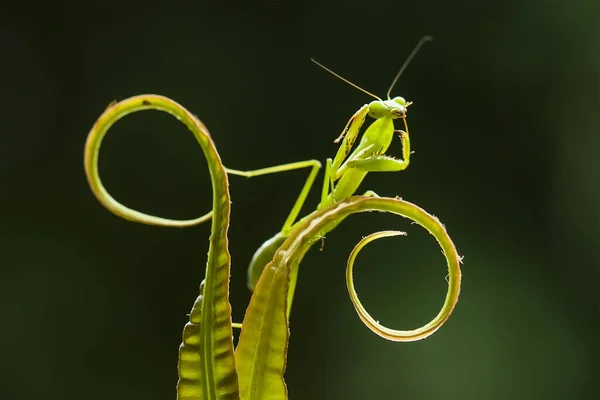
92	150
374	325
206	356
292	253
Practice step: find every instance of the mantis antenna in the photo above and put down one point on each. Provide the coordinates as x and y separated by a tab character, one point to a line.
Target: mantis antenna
410	57
344	79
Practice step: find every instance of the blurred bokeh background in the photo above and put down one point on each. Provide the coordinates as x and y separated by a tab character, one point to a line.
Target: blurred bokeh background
505	130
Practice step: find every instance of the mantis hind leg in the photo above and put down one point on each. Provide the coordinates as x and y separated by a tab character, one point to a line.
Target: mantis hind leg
265	253
315	166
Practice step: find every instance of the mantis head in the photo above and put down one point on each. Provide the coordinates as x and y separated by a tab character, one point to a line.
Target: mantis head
395	107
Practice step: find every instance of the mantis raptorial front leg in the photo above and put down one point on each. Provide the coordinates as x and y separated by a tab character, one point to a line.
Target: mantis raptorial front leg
349	134
380	163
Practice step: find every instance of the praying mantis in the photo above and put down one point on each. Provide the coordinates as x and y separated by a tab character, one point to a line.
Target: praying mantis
208	366
345	173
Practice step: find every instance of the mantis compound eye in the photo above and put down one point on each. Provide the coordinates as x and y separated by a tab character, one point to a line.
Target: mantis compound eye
378	109
400	100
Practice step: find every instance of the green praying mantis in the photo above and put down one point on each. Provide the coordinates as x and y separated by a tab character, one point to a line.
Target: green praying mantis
345	173
209	366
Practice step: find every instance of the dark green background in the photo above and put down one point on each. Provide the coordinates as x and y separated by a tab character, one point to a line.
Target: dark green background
505	131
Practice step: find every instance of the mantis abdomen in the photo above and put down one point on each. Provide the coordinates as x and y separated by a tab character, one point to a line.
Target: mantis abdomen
262	257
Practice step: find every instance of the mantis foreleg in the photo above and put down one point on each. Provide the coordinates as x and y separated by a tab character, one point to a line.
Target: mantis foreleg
349	134
382	163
